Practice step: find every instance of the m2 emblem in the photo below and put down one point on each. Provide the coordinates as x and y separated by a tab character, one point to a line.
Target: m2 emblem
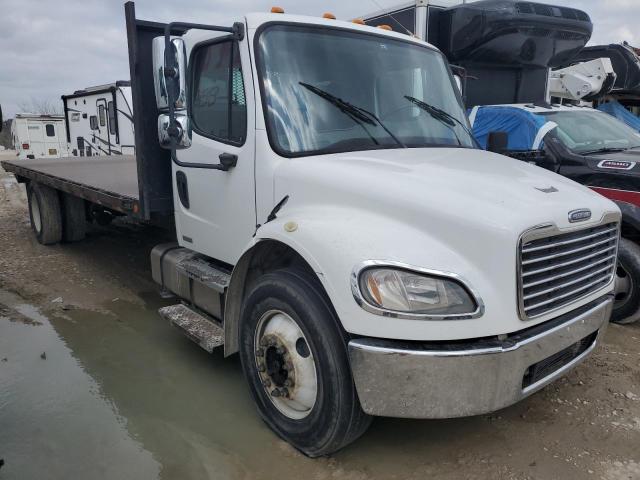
616	165
581	215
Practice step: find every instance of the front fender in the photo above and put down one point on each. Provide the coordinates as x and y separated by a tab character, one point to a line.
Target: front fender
630	214
333	240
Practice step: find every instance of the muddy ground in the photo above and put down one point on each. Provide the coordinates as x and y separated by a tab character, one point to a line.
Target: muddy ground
94	385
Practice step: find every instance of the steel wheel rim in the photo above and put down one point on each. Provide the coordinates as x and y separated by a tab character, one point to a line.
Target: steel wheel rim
623	287
285	364
35	213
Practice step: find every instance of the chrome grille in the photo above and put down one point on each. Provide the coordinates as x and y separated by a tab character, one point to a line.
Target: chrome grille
558	270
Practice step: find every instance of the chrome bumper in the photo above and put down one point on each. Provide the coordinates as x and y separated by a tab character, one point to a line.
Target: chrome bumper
446	380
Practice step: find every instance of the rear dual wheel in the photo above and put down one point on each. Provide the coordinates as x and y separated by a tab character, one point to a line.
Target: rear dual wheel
55	217
45	213
294	357
74	218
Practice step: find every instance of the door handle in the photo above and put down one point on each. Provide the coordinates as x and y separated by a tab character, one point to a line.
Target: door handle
227	161
183	189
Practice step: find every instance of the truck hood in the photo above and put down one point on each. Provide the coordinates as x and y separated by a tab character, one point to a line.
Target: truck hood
448	210
471	187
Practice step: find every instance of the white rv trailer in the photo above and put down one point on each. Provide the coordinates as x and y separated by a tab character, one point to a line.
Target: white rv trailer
99	120
39	136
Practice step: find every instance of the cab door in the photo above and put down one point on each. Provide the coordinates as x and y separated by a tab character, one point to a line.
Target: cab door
104	139
215	208
37	145
51	140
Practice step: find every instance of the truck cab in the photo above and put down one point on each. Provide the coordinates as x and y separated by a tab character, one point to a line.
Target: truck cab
362	184
338	227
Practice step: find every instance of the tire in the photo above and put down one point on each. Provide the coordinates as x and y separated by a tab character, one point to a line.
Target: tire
280	302
74	218
626	308
45	213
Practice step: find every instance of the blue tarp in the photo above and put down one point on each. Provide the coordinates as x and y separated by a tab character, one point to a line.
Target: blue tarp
617	110
526	129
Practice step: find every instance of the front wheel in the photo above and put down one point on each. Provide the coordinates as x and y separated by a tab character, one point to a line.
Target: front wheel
294	357
626	308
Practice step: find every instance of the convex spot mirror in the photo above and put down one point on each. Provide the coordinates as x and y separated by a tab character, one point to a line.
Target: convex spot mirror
180	130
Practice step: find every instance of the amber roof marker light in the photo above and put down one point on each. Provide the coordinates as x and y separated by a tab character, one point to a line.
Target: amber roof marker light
277	10
385	27
358	21
329	16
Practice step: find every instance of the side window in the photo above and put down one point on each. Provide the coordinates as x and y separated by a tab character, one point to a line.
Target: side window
93	122
101	115
398	20
50	129
112	118
218	106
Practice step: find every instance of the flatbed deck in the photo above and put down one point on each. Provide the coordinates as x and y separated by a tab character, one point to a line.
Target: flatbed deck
110	181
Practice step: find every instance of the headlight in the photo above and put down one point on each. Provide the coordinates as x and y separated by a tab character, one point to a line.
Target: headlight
404	291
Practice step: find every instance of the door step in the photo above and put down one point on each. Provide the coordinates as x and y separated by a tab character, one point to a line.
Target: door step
195	326
205	273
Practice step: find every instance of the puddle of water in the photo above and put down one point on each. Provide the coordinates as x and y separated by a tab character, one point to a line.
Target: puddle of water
53	421
126	396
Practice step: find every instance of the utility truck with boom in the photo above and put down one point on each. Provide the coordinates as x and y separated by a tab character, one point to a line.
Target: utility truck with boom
337	226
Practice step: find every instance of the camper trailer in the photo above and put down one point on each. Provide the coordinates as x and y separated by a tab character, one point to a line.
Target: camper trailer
99	120
39	136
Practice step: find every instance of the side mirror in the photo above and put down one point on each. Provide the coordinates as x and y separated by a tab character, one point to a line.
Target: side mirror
176	60
180	130
498	142
170	80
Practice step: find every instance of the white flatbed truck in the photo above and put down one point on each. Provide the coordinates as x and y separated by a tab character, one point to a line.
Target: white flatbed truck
338	228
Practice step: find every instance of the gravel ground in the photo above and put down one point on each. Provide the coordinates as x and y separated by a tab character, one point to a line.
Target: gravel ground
94	302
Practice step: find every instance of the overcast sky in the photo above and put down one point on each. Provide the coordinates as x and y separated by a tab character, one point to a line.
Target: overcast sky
53	47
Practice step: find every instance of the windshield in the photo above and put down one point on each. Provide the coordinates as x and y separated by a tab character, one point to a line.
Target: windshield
590	131
328	91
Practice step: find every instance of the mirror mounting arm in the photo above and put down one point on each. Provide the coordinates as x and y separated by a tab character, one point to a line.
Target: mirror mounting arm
238	31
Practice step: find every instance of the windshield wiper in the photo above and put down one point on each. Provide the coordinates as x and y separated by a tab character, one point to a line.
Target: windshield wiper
357	114
440	115
605	150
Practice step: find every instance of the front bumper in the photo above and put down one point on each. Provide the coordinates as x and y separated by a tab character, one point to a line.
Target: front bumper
459	379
